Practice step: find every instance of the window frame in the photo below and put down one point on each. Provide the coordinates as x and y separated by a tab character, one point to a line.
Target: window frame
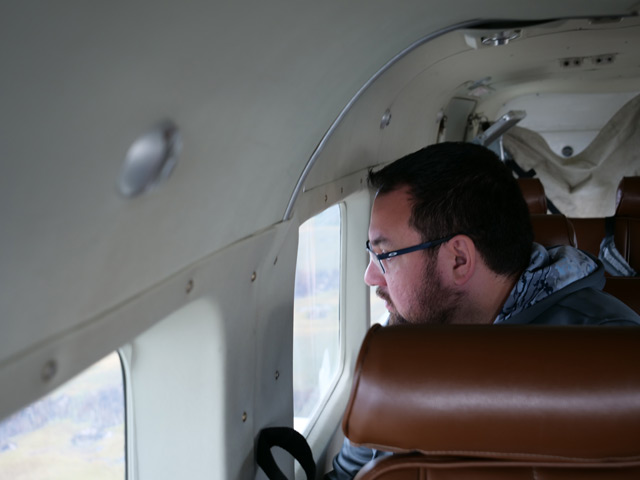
324	434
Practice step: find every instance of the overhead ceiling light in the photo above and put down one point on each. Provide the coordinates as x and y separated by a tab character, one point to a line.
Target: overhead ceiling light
150	159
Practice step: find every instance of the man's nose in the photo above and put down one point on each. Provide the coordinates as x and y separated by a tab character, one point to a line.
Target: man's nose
373	276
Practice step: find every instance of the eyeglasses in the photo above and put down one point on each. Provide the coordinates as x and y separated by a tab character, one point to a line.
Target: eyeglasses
378	257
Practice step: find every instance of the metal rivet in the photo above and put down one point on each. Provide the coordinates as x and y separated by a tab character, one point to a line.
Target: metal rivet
254	275
244	416
277	374
189	286
49	370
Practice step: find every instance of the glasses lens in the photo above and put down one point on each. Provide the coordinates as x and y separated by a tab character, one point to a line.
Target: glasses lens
374	258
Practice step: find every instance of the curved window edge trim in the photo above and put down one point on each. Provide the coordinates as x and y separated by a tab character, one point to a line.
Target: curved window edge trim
129	430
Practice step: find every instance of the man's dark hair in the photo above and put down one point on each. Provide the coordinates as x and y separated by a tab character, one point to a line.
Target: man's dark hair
464	188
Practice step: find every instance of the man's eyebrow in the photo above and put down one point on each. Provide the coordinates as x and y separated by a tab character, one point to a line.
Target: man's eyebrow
379	240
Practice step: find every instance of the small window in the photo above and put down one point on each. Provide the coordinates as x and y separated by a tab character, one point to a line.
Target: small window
77	431
378	312
316	326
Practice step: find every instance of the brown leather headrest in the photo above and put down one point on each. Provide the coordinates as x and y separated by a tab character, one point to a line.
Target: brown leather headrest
532	393
551	230
628	197
533	193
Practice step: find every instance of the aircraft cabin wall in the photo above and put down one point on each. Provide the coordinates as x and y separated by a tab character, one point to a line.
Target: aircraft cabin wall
205	325
229	343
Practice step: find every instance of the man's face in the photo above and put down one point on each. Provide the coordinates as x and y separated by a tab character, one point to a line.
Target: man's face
411	287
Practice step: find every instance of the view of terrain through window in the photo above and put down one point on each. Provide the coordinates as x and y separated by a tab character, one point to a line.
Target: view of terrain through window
74	433
316	328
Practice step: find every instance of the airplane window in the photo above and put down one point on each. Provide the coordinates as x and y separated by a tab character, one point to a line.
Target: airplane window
316	332
379	313
75	432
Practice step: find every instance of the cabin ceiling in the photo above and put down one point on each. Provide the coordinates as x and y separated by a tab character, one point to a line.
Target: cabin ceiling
565	57
253	87
417	90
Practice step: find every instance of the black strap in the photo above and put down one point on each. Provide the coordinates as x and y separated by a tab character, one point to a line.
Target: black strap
291	441
609	226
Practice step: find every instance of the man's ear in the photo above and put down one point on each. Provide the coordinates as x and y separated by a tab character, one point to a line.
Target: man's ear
460	257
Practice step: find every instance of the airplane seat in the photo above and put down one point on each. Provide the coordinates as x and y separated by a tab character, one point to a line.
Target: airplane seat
533	193
503	402
628	197
554	229
589	232
627	240
551	229
625	225
627	221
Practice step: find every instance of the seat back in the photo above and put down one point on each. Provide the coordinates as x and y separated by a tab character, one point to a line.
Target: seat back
506	402
626	289
628	197
550	230
591	231
627	240
627	221
533	193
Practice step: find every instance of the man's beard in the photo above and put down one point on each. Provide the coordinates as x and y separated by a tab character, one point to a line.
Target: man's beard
436	304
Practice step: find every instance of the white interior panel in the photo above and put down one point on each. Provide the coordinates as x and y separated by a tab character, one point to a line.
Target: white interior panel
568	119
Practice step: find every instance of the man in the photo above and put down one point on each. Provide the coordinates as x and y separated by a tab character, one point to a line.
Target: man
451	243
